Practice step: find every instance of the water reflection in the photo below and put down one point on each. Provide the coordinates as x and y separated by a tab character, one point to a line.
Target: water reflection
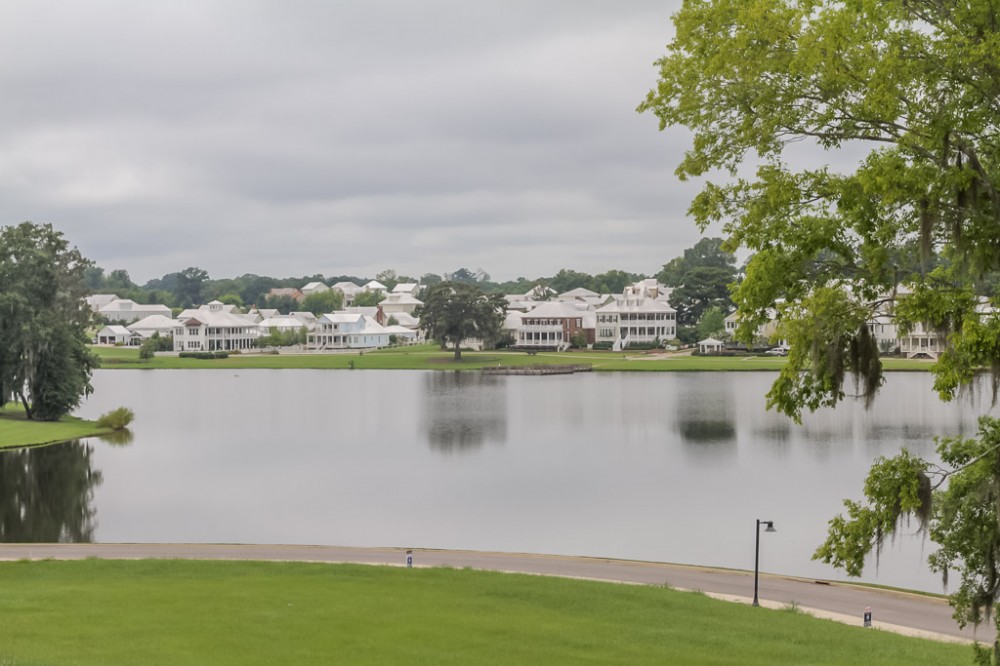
47	493
464	410
705	413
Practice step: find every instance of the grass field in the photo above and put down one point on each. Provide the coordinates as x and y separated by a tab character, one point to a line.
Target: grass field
429	357
188	612
16	431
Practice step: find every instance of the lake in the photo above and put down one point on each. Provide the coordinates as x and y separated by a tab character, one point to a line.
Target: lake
672	467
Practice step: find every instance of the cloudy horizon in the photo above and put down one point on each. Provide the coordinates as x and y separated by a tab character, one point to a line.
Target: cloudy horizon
305	138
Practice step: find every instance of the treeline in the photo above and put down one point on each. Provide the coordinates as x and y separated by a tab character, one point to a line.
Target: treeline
194	286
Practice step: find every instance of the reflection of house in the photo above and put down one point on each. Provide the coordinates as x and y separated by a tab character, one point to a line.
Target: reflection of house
635	320
211	328
345	330
552	325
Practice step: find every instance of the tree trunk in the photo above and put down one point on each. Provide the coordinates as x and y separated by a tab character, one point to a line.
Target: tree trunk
27	405
458	350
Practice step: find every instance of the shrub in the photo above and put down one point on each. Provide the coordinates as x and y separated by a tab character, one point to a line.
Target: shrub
116	419
603	345
204	356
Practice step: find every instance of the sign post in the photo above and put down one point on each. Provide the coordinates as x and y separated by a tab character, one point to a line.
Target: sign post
868	617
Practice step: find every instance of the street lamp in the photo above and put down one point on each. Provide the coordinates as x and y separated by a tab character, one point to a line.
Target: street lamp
756	559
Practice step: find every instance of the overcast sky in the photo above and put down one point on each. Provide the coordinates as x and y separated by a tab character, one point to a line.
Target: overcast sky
296	138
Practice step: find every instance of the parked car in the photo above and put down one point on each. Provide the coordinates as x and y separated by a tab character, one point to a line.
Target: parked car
777	351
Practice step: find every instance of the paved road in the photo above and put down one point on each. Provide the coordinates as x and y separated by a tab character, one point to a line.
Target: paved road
895	611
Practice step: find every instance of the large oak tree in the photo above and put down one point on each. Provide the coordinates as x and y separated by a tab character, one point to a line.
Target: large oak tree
45	363
455	311
839	140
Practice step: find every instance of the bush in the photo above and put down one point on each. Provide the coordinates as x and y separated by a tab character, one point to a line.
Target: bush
603	345
116	419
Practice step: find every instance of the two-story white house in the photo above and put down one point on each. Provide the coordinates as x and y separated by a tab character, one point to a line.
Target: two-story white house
344	330
635	320
211	328
552	325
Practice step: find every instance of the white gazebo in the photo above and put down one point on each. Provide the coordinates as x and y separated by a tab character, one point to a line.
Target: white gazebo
710	346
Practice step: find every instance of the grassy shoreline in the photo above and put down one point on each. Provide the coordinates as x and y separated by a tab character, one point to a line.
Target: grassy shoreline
429	357
195	612
16	431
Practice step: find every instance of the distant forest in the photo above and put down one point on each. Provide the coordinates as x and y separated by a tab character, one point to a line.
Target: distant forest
193	286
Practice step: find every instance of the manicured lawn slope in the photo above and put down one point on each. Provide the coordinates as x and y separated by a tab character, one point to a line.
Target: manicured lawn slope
17	431
429	357
184	612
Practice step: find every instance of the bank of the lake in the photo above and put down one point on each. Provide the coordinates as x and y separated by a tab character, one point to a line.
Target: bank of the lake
17	431
195	612
430	357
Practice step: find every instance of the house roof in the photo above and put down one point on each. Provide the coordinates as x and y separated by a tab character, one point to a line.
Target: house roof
710	342
375	285
579	292
406	288
154	322
402	299
554	310
347	287
636	304
313	286
115	330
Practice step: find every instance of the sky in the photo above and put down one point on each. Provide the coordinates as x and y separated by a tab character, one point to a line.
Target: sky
343	138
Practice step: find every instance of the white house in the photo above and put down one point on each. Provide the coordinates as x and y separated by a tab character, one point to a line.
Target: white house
345	330
280	324
395	303
376	286
553	324
98	301
126	311
314	288
147	326
349	291
635	320
211	328
115	335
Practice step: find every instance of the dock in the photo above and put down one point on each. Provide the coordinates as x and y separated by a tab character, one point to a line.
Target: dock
536	369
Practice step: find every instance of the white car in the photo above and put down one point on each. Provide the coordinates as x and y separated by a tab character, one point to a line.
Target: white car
777	351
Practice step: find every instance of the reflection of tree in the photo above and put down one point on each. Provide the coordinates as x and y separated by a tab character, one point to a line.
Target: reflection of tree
704	412
46	494
463	410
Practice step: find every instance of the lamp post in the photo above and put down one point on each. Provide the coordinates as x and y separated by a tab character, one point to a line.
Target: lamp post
756	559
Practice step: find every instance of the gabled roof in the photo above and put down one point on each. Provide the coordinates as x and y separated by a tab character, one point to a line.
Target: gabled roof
116	331
406	288
579	292
313	286
153	322
375	285
636	304
554	310
347	287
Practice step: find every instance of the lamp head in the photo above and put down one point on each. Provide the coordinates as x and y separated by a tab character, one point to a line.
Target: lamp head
770	526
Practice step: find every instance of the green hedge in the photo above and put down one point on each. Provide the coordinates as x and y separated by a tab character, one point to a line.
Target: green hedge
205	356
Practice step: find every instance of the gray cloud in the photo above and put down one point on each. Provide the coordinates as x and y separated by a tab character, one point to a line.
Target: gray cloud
297	138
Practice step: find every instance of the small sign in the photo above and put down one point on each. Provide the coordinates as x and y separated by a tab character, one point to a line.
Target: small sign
409	560
868	617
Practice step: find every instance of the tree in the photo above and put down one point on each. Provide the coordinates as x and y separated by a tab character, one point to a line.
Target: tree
45	363
367	299
190	282
702	278
453	312
913	83
712	322
323	302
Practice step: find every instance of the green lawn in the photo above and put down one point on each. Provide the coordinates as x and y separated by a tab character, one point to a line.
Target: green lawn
185	612
17	431
429	357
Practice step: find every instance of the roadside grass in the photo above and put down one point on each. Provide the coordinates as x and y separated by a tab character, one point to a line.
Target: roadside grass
17	431
211	612
430	357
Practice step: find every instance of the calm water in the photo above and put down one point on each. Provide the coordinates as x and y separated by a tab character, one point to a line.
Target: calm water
666	467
